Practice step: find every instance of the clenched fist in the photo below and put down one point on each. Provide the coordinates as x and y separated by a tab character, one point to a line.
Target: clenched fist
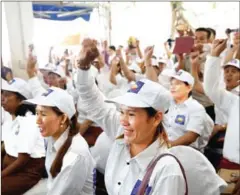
88	53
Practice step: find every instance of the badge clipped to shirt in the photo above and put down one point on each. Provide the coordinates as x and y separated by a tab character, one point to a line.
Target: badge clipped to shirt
180	119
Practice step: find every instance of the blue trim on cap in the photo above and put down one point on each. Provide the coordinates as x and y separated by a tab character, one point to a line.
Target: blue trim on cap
136	87
48	92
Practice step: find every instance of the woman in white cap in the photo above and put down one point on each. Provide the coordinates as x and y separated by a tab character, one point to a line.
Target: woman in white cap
137	133
69	164
23	153
186	122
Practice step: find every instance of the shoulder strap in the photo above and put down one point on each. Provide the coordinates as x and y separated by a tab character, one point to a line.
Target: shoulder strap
150	169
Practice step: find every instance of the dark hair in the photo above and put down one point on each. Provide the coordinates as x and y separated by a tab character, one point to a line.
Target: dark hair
212	31
204	30
54	74
190	93
22	109
154	57
4	71
161	133
112	47
58	161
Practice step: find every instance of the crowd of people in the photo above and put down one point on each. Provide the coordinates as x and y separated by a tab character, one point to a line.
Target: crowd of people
123	120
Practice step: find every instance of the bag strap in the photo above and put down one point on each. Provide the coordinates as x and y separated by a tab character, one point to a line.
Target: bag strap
150	169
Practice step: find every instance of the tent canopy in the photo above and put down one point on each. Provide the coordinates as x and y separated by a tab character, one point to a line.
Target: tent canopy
62	11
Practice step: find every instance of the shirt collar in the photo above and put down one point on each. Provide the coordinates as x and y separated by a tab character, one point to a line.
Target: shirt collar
186	102
144	158
57	145
236	90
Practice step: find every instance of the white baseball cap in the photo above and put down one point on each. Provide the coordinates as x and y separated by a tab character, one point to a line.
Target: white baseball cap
18	85
46	67
184	76
59	71
56	97
144	94
135	68
233	62
154	62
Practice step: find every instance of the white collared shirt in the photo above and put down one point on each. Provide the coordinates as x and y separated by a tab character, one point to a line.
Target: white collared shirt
22	135
5	116
227	102
124	174
188	116
100	151
221	116
78	173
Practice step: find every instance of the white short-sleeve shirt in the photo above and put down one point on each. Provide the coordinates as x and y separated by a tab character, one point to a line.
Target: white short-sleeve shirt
22	135
188	116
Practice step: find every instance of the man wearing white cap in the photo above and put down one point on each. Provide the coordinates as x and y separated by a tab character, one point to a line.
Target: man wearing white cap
186	121
227	102
231	79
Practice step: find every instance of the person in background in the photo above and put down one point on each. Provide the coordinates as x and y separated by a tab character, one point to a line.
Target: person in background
213	35
23	152
111	53
69	164
229	104
6	73
186	121
202	35
215	146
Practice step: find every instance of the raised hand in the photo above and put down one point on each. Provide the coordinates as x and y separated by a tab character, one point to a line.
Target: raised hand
137	43
219	45
148	52
236	39
88	53
195	58
31	63
115	64
119	53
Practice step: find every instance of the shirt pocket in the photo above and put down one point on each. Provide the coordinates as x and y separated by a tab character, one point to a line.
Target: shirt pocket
179	121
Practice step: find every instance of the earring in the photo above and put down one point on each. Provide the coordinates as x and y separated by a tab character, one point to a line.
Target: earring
61	125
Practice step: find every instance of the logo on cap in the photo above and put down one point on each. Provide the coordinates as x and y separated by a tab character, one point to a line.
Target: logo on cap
135	88
47	93
179	73
235	61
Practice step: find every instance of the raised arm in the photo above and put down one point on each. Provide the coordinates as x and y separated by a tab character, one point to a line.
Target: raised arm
33	82
221	97
114	70
92	100
139	52
127	73
195	62
150	72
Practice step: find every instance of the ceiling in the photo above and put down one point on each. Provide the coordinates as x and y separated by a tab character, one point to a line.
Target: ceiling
63	11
